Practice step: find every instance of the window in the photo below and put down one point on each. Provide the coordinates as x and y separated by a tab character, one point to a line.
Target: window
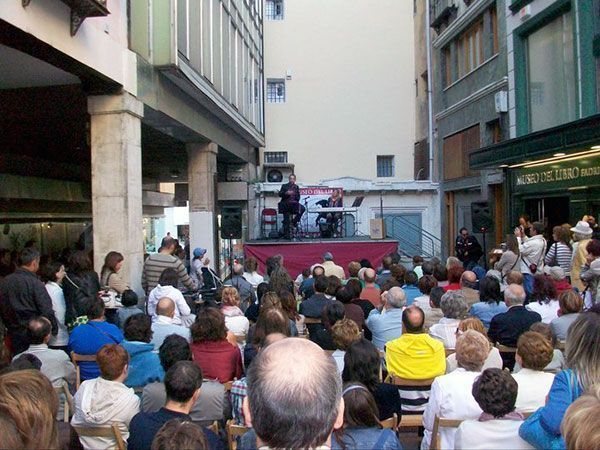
470	49
551	85
494	29
276	91
274	9
456	151
276	157
385	166
447	62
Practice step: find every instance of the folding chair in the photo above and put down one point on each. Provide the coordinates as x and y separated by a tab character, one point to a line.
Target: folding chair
77	358
505	348
390	423
233	432
67	401
214	427
409	420
227	386
440	422
449	351
111	432
268	217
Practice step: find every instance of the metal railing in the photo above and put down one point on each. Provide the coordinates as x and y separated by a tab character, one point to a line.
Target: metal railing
401	229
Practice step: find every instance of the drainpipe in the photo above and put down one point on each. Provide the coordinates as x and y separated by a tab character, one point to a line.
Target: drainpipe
429	89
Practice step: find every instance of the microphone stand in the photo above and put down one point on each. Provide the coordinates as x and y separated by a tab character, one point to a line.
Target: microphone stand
306	218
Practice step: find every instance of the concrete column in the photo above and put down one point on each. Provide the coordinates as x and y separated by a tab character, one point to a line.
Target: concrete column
202	188
116	138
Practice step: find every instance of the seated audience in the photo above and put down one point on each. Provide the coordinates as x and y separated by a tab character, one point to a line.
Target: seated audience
56	365
183	383
534	353
559	279
571	306
558	359
313	306
497	428
306	289
343	333
451	396
505	328
253	310
385	273
440	273
469	286
454	307
163	326
581	427
361	427
129	300
415	355
493	361
332	313
278	397
235	321
353	269
410	287
362	364
245	290
87	339
208	406
179	434
251	272
491	302
426	284
28	420
385	322
434	313
582	356
544	300
365	305
290	308
167	287
270	320
144	364
418	265
331	268
217	358
105	400
370	291
454	274
353	312
514	277
334	284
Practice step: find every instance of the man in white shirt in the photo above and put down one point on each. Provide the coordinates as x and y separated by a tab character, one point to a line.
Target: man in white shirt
164	326
532	251
56	365
332	268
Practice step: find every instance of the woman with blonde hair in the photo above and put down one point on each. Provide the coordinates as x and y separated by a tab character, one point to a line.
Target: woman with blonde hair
28	408
493	361
235	321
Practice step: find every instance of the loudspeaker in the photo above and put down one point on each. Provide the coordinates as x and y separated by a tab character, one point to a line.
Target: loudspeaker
231	222
481	217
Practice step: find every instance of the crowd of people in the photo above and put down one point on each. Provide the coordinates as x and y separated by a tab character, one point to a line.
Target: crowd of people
321	361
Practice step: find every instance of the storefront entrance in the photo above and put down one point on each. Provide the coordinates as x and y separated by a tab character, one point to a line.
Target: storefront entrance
551	211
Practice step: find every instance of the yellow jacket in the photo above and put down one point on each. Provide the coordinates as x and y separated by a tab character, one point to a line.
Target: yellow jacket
578	261
415	357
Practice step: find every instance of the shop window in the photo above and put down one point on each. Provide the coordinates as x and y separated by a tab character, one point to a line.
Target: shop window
456	149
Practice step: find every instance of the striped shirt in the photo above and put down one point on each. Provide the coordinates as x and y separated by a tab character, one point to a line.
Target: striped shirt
155	265
559	254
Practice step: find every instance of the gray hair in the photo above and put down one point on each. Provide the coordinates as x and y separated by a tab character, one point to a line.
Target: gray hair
580	236
454	305
327	256
514	295
396	297
293	408
453	261
472	349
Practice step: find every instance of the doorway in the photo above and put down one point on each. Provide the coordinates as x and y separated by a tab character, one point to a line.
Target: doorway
551	211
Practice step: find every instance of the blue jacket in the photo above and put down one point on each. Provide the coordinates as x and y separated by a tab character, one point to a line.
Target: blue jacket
368	438
385	327
88	339
144	365
564	391
411	292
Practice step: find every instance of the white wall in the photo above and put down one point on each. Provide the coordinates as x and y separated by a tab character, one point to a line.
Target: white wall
352	93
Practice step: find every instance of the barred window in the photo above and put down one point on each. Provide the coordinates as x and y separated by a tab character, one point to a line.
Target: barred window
276	91
274	9
276	157
385	166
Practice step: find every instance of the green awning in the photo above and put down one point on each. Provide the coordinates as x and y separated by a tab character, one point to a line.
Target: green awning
541	144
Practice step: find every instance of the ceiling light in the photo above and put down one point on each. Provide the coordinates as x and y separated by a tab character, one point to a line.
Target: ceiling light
596	147
560	154
503	165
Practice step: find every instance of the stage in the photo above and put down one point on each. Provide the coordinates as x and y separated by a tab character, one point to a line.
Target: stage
298	255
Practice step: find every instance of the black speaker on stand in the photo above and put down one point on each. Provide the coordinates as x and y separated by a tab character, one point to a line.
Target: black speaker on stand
482	222
231	228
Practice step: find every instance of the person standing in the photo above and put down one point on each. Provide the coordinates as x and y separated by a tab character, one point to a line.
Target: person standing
532	251
52	274
24	297
582	235
110	276
156	264
468	249
290	205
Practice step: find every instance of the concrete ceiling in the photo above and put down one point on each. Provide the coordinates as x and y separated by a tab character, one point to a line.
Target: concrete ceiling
20	70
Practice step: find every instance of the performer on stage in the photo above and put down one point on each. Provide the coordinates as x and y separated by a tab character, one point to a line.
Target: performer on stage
335	201
290	205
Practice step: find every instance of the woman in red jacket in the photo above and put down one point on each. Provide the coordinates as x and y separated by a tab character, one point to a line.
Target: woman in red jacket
217	358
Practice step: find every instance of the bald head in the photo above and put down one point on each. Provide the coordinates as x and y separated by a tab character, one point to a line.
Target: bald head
294	393
165	307
468	279
370	275
413	319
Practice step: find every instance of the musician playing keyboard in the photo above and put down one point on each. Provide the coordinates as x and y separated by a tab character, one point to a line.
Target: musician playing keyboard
335	201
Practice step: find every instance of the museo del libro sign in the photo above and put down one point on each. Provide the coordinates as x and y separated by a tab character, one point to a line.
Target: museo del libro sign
557	175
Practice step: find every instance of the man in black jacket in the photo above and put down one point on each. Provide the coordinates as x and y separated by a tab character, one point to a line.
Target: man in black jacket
506	328
22	297
290	205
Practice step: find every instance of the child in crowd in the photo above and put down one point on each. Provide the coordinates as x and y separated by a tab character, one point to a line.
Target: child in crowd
129	300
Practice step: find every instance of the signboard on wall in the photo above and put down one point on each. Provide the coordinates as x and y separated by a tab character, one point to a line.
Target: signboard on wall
314	197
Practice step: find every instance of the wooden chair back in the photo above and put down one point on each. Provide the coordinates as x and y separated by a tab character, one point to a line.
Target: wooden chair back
411	421
390	423
227	386
505	348
233	432
425	383
67	401
214	427
560	345
111	432
312	321
449	351
77	358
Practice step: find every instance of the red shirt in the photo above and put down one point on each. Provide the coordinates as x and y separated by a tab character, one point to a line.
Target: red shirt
218	360
372	294
452	287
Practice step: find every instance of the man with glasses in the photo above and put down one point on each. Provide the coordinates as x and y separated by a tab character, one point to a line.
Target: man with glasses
468	249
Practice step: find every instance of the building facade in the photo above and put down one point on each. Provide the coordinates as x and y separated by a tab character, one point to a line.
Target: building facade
340	111
109	117
551	163
470	92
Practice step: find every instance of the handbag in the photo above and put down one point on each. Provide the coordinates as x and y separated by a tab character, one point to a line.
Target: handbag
535	434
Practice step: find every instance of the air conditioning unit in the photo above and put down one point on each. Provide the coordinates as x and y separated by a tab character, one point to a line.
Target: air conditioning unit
277	173
501	101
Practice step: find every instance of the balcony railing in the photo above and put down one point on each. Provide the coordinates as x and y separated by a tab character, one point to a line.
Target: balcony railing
440	11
